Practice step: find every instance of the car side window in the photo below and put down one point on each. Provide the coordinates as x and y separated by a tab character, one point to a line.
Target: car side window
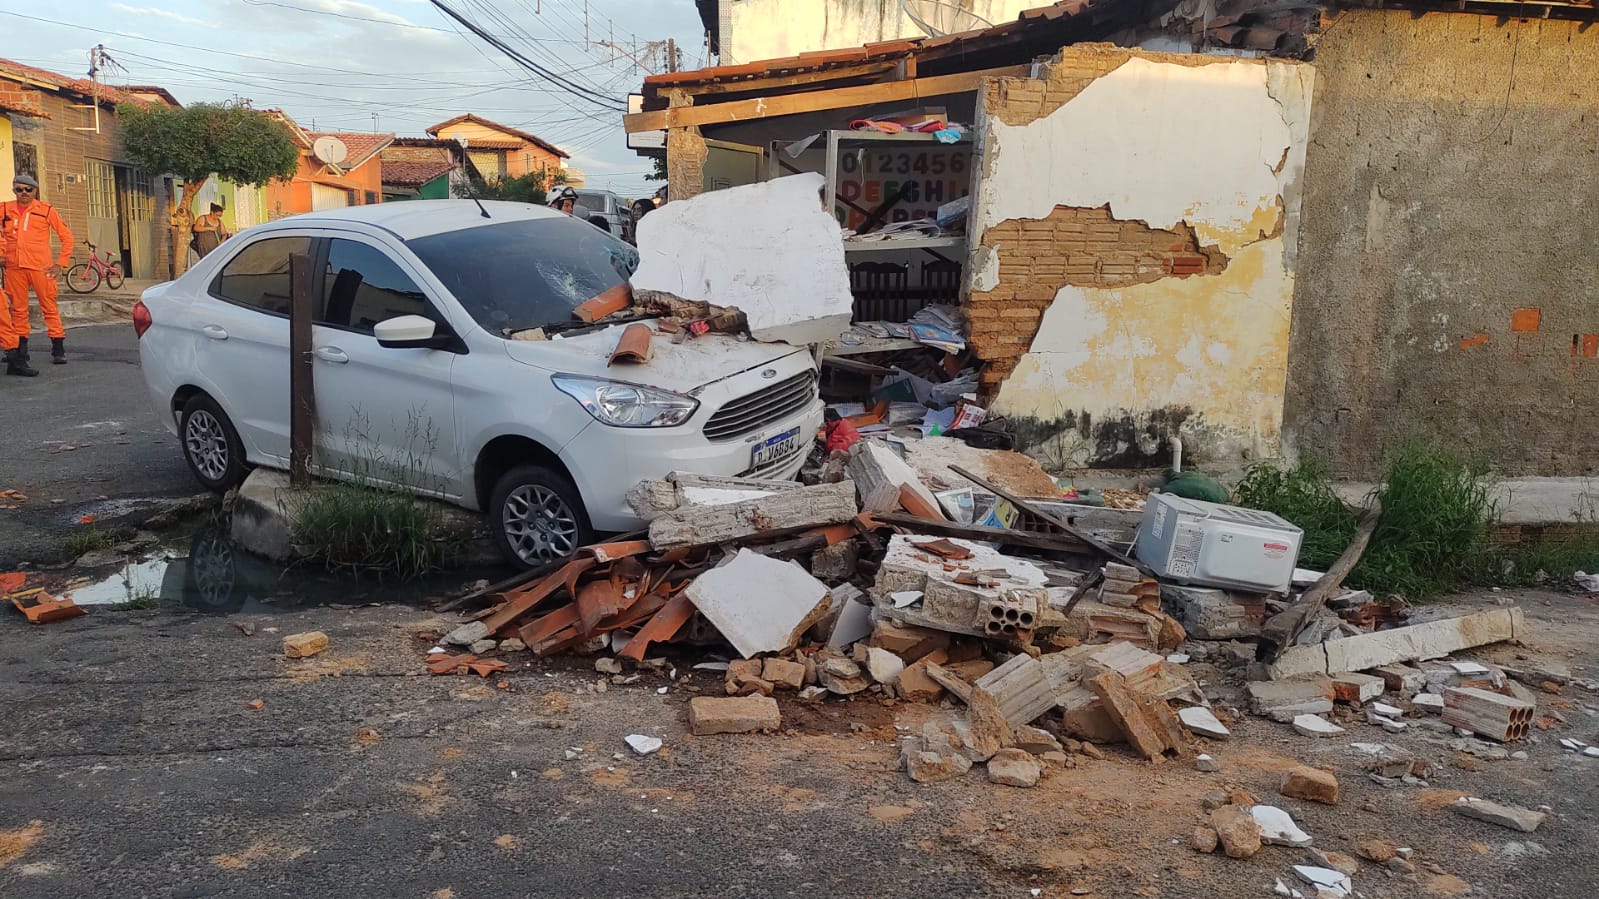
363	286
259	276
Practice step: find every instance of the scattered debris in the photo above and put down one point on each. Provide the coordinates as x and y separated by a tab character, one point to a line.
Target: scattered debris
732	715
1494	716
642	744
1509	816
1202	721
1236	828
1277	827
302	646
1304	782
1316	726
1014	768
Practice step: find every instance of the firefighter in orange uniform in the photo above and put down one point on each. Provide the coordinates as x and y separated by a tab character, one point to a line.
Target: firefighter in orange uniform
25	257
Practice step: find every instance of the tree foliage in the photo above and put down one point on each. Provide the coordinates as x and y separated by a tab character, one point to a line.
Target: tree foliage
236	143
657	169
527	188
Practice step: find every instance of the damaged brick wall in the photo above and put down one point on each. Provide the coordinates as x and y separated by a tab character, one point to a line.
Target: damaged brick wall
1083	247
1131	274
1449	265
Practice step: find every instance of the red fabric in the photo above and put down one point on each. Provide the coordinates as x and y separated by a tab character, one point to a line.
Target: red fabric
839	435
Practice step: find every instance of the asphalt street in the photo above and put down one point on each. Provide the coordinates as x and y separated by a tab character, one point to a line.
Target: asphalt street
82	439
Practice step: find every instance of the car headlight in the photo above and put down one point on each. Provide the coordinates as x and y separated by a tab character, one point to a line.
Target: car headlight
624	405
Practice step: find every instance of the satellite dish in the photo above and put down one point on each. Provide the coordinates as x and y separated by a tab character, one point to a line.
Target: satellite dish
940	17
330	150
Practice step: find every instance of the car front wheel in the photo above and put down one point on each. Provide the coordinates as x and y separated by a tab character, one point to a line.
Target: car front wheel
537	516
211	445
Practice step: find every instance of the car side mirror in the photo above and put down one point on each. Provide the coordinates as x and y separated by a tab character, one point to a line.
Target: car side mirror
407	332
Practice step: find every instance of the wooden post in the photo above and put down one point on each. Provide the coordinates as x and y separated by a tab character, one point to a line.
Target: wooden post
302	393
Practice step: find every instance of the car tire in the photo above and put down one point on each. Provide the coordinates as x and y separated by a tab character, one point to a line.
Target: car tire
211	446
537	516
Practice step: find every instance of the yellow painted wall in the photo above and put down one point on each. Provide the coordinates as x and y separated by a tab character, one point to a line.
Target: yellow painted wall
7	163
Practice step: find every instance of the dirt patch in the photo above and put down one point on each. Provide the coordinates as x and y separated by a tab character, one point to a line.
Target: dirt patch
1446	885
429	794
17	841
260	851
508	842
303	670
891	814
1434	800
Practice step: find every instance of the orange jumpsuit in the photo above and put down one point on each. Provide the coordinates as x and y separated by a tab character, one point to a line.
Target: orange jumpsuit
25	252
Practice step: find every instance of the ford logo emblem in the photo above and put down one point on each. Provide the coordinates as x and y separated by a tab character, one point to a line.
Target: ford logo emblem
769	373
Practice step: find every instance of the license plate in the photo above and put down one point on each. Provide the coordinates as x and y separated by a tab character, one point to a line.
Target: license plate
774	448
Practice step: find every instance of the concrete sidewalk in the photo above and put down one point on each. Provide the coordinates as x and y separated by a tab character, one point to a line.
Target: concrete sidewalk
101	306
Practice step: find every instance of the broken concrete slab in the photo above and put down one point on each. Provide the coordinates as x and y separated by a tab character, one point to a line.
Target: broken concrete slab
1428	640
1205	763
697	525
1283	700
1212	614
1014	768
732	714
1325	879
1202	721
467	634
1513	817
642	744
1401	679
1356	688
759	604
717	248
1316	726
1431	702
931	758
854	620
882	665
1036	740
1277	827
880	476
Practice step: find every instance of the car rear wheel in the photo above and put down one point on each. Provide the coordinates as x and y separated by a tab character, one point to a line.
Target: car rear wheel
537	516
211	445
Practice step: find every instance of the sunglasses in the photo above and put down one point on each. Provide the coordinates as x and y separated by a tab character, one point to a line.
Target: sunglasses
22	189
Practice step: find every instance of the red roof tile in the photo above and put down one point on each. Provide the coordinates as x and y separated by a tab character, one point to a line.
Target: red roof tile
362	145
414	174
514	132
81	86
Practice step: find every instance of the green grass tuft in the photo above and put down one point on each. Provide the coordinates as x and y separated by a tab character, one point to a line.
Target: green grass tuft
1304	495
371	529
89	538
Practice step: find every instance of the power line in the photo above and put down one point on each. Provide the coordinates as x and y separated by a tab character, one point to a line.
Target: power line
530	65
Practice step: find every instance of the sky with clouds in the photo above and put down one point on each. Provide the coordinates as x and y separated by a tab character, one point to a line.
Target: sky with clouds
382	65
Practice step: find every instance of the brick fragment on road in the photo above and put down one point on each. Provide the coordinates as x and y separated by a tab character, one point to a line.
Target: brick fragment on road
1314	784
304	645
732	714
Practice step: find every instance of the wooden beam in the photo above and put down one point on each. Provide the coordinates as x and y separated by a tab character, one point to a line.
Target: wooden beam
865	70
1051	542
814	101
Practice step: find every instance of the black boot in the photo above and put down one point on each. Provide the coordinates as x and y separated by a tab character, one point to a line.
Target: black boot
22	349
58	350
17	364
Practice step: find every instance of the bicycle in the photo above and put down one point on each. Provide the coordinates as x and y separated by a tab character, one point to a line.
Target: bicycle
86	276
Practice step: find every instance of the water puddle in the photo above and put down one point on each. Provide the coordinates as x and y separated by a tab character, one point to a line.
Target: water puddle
210	574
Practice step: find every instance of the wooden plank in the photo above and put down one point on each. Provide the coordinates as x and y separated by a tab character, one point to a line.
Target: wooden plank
1124	709
815	101
769	515
942	528
1281	629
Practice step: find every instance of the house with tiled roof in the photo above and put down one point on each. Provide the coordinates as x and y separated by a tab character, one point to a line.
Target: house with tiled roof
65	132
424	168
336	169
501	151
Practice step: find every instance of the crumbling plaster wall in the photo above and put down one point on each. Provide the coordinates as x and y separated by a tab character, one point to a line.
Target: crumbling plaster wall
1132	272
1449	260
771	29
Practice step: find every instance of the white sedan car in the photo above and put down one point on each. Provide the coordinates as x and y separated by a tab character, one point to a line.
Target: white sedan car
429	372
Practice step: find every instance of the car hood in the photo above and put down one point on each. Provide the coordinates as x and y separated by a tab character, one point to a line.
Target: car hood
686	367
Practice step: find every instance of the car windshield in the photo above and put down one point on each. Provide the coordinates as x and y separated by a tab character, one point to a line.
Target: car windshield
513	276
594	201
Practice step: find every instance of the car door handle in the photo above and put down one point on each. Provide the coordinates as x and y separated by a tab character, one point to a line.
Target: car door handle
215	332
332	354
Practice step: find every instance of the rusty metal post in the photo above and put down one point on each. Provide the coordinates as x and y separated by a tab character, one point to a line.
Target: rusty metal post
302	392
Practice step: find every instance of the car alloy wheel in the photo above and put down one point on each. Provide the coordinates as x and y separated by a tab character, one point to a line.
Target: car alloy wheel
207	444
538	524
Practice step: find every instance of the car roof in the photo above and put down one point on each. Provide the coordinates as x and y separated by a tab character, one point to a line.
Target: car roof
409	219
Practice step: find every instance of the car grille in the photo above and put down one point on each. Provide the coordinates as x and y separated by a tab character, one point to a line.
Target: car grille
761	408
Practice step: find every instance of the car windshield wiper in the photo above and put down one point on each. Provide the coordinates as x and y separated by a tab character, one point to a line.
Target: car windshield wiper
578	324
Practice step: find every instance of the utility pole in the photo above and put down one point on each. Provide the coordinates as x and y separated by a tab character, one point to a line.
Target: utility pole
671	54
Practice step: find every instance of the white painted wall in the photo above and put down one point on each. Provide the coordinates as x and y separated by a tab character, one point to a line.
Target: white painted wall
769	29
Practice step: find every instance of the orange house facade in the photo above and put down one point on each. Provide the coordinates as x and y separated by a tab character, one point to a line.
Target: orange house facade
500	151
336	169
